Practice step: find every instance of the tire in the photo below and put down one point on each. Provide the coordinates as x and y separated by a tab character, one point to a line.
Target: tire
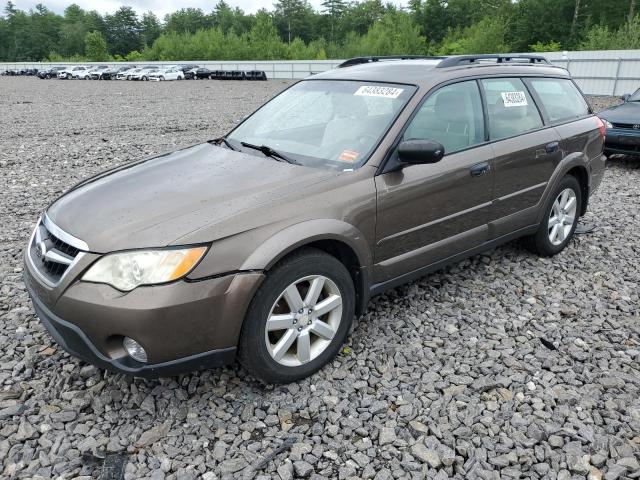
161	78
258	349
541	242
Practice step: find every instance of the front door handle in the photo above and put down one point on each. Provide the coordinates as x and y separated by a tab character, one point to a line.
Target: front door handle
480	169
552	147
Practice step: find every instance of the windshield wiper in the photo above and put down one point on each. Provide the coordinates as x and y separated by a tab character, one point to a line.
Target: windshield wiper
270	152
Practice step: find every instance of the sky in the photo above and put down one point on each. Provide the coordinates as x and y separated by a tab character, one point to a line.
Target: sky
160	8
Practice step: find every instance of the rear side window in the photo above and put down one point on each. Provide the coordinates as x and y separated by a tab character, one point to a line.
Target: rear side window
560	98
511	109
452	116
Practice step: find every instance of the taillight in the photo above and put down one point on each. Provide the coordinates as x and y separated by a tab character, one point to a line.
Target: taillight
602	127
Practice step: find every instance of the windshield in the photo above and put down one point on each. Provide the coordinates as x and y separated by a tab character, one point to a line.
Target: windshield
323	123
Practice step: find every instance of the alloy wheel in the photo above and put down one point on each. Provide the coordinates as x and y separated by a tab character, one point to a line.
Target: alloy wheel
562	216
303	320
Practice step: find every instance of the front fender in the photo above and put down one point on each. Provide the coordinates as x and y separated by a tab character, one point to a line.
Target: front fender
260	249
304	233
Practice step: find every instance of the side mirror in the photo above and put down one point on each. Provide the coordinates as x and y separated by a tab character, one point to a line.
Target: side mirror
417	152
625	97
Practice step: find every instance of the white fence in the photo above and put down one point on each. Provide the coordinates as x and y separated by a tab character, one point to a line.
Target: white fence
606	72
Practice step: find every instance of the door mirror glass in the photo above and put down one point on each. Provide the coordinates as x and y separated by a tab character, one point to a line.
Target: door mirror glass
625	97
417	152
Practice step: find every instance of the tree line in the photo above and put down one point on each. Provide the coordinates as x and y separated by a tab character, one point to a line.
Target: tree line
293	29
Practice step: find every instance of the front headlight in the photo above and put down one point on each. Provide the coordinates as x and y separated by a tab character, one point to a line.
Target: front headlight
607	124
128	270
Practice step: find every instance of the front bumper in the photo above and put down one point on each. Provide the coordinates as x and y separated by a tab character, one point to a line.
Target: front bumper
183	326
623	141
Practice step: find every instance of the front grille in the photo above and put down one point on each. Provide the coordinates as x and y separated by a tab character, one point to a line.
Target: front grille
627	126
51	255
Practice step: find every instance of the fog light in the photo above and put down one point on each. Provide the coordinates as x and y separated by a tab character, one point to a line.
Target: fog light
134	349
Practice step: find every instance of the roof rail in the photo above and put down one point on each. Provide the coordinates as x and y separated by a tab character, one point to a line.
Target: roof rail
459	60
360	60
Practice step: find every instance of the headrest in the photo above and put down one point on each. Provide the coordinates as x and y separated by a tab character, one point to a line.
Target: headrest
450	106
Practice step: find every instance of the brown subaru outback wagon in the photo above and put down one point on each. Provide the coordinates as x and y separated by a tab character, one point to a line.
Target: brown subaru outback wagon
265	244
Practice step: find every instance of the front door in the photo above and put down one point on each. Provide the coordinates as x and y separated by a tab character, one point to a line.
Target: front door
427	213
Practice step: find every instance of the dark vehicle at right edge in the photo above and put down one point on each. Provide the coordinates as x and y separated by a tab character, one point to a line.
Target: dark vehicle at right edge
623	126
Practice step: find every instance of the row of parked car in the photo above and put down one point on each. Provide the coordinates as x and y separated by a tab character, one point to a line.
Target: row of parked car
133	72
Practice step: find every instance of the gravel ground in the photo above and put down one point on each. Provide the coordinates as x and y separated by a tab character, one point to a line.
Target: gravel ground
502	366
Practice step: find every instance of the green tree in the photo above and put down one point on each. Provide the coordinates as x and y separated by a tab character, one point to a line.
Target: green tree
95	47
264	42
150	29
489	35
187	20
601	37
334	9
123	31
293	19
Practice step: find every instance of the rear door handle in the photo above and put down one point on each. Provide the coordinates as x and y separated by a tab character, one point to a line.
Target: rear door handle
552	147
480	169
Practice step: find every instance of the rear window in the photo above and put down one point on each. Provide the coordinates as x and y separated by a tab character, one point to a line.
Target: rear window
560	98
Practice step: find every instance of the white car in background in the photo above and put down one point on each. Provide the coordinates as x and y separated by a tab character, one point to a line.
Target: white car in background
71	72
168	73
126	74
86	74
143	73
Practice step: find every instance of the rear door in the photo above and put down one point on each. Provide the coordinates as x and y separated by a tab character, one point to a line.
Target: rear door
526	153
427	213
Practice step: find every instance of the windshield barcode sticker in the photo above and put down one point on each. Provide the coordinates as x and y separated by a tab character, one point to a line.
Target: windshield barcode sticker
514	99
375	91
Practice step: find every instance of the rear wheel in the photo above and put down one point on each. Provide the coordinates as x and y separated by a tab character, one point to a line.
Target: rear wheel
298	319
560	219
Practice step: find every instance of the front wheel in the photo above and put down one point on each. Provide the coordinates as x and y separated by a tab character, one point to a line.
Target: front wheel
298	319
560	220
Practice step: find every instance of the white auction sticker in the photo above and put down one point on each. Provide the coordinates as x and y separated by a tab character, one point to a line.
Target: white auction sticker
377	91
514	99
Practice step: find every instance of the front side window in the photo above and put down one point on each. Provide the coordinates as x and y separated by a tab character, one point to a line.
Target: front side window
452	116
324	123
511	109
560	98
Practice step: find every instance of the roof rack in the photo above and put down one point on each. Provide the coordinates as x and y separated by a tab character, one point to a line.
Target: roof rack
360	60
459	60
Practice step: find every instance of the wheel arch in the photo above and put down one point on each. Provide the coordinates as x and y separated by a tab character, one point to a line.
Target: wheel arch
334	237
581	174
576	166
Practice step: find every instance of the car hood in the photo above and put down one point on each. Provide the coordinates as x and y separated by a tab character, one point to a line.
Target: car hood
628	112
158	201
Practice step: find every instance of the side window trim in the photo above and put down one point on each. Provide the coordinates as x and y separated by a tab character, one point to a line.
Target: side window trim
485	110
538	101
